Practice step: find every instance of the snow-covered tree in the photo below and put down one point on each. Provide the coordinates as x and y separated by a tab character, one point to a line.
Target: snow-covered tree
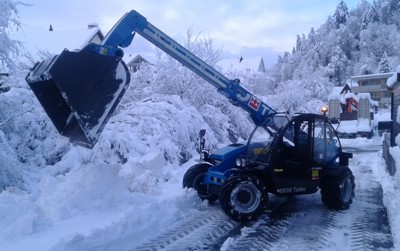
173	78
8	21
373	15
377	39
341	14
286	71
298	43
383	66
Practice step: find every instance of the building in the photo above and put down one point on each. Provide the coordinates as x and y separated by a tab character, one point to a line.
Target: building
375	84
336	99
135	63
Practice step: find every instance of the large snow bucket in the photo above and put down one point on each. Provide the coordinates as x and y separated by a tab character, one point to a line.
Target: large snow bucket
79	92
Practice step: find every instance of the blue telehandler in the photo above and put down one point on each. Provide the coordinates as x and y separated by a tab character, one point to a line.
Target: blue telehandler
79	90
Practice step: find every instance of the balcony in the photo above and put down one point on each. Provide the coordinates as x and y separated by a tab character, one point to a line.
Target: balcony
369	88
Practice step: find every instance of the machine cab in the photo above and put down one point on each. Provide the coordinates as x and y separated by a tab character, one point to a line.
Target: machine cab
306	145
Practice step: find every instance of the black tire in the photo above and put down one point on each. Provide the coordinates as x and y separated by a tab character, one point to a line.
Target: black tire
338	192
244	198
194	178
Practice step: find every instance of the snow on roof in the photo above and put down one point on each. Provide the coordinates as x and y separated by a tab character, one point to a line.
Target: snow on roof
351	95
394	78
149	58
55	41
255	64
337	90
372	76
334	96
364	95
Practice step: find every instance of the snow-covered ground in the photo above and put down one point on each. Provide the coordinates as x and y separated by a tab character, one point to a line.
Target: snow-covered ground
97	206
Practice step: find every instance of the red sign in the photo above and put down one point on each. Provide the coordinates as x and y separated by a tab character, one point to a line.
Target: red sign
254	103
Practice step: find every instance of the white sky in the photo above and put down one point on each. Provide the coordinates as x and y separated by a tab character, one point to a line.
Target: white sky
245	28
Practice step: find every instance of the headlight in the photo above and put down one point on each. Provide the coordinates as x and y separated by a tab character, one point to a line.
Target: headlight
241	162
203	155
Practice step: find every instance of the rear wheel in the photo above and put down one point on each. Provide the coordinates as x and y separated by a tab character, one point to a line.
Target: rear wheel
194	178
243	197
338	192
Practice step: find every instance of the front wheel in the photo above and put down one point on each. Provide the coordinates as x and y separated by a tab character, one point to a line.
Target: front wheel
194	178
338	192
244	198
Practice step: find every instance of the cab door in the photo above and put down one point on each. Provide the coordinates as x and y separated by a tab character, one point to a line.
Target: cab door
292	161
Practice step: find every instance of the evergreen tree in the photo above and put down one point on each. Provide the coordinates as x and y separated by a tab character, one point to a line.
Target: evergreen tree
311	36
394	5
364	21
341	14
373	15
298	43
286	70
304	43
384	64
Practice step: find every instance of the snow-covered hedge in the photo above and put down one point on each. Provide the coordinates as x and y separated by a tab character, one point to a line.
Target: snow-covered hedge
161	124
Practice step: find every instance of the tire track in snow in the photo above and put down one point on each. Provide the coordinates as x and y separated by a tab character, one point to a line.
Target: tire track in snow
204	230
300	224
368	224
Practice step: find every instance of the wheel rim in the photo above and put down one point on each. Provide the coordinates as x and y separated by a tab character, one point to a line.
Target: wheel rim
198	184
245	198
347	189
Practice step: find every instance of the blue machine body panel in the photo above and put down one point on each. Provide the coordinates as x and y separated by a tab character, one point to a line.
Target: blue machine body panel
225	159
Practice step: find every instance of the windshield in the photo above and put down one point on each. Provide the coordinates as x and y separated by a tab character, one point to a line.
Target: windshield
258	144
326	143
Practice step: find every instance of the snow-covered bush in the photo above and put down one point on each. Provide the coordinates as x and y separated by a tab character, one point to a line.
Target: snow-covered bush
9	48
29	139
161	123
10	167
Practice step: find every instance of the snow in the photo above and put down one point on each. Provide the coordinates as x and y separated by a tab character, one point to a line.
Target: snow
83	204
351	95
391	196
348	126
364	125
393	79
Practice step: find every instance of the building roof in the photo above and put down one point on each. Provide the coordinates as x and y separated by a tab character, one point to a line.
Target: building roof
139	58
339	91
372	76
394	79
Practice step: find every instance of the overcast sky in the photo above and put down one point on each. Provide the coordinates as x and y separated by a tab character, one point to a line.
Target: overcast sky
245	28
